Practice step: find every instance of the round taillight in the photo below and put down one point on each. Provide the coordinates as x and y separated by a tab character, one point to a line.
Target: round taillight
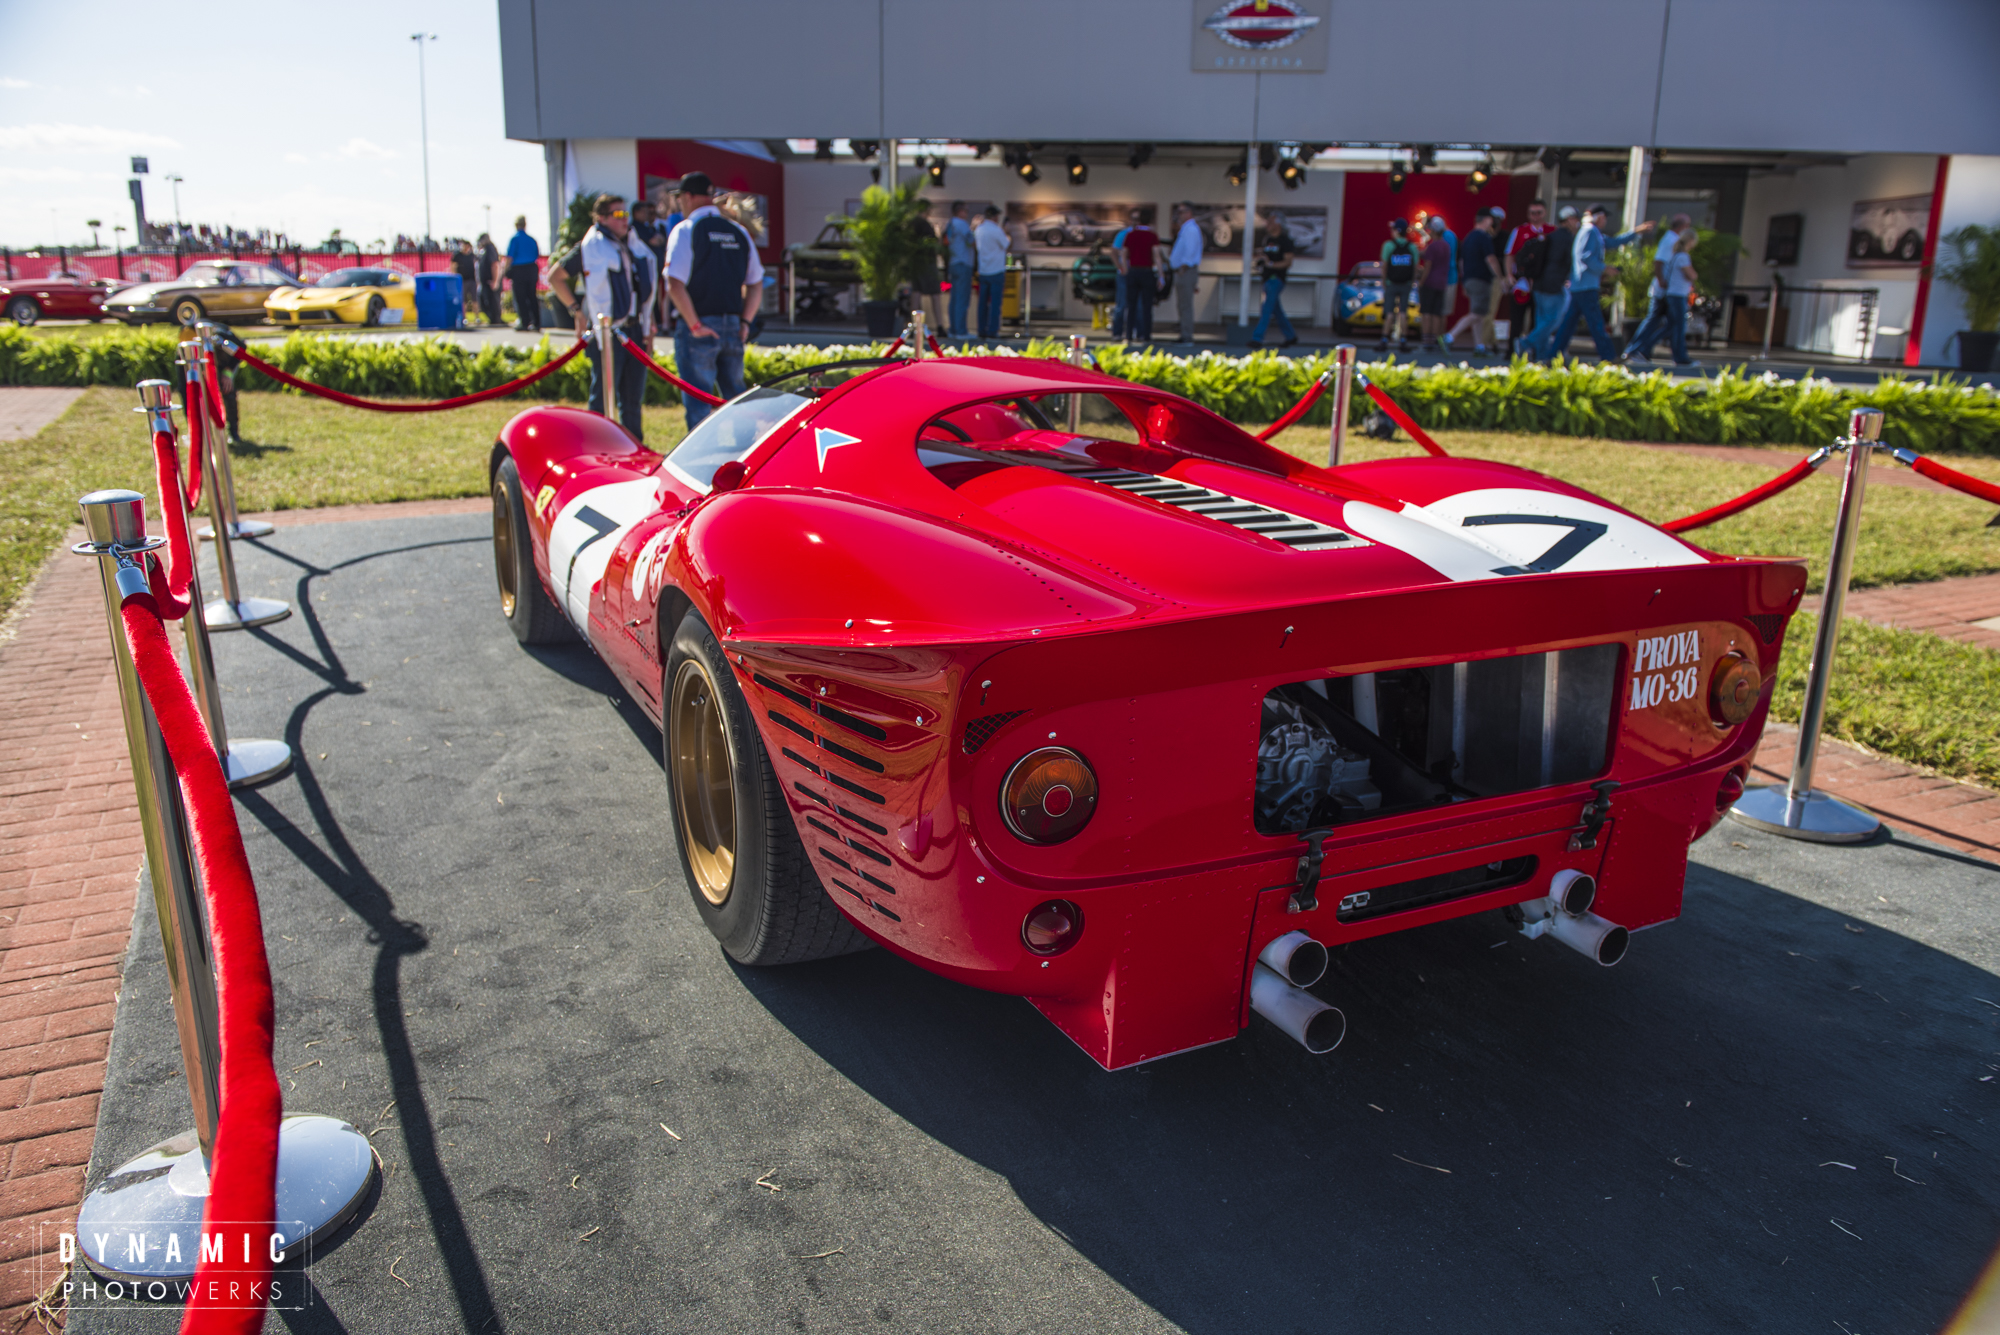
1733	690
1730	791
1052	928
1048	796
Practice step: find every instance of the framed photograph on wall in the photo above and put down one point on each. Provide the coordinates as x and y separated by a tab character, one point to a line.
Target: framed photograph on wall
1888	233
1053	225
1222	227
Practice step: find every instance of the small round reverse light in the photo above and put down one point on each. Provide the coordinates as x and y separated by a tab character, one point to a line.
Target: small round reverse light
1733	690
1052	928
1049	795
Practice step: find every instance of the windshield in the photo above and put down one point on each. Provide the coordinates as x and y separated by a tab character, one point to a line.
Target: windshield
204	273
351	278
732	432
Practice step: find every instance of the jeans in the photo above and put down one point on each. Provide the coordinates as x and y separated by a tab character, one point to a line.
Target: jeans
1585	304
1141	288
1665	315
1184	281
628	386
1549	308
527	305
961	297
991	286
1274	289
714	363
1119	310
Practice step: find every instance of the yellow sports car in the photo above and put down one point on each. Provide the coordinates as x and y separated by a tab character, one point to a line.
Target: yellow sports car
347	296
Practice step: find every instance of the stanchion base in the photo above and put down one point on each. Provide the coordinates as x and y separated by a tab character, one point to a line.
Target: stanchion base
250	761
242	528
249	612
1819	818
325	1168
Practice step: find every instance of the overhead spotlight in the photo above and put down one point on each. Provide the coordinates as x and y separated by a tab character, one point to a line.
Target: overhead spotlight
1079	172
1307	152
1292	172
1426	155
981	150
936	171
1024	167
1397	175
864	149
1476	179
1140	155
875	175
1267	156
1239	171
1548	157
822	150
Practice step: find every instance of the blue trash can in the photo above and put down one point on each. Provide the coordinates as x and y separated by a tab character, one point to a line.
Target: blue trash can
440	301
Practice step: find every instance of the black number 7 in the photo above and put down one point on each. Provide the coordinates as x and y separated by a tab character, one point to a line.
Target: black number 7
1582	532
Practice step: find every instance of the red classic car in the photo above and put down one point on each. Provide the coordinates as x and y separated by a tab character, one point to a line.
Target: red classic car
1124	711
59	296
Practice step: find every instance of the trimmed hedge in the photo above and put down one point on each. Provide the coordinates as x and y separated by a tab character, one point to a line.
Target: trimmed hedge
1565	399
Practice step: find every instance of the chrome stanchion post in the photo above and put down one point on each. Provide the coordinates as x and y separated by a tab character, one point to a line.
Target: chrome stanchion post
1343	393
1795	810
232	611
1076	358
607	380
915	334
217	439
245	761
325	1166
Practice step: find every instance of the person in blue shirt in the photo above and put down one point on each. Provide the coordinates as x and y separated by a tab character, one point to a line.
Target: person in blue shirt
525	274
958	261
1586	282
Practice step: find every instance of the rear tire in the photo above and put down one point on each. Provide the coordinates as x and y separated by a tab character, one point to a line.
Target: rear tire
23	311
750	877
373	315
188	313
531	614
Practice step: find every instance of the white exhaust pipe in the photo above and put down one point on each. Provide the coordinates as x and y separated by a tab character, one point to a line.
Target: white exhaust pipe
1573	891
1296	958
1317	1026
1586	933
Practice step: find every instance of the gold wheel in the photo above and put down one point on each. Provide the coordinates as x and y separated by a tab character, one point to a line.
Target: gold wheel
704	781
503	546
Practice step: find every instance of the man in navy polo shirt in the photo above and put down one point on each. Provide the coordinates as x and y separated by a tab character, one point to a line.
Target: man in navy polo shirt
716	282
524	273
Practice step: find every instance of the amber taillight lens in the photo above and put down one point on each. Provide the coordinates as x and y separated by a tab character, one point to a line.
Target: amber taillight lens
1733	690
1052	928
1049	795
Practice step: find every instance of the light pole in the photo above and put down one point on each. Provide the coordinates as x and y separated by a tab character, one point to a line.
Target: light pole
423	123
175	182
93	224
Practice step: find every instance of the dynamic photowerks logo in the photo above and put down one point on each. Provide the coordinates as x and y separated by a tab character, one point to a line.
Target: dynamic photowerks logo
1260	25
140	1264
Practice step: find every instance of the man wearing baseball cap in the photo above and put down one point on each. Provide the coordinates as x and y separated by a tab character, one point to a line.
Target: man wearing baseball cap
716	282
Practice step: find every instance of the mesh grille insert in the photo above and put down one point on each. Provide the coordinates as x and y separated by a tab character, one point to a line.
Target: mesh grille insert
1768	624
980	731
1295	531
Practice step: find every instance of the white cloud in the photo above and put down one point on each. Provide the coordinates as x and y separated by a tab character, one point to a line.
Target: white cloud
14	83
297	157
79	138
362	148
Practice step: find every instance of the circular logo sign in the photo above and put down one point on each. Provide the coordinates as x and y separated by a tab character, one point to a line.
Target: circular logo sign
1260	25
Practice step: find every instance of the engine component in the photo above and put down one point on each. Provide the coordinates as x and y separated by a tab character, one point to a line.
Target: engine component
1304	776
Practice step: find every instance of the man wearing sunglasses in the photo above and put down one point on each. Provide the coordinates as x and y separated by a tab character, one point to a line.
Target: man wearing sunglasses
716	282
618	280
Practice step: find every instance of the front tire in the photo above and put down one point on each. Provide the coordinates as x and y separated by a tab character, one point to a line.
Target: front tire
531	614
750	877
373	315
188	313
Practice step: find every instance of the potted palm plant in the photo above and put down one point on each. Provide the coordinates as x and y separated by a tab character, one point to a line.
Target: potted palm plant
887	250
1974	269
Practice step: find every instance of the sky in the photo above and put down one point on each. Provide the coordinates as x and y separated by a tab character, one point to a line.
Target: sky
295	117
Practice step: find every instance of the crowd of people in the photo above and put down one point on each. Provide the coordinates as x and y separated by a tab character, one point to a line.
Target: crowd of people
1544	279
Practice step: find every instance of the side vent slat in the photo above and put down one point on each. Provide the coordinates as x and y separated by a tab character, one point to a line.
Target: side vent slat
857	789
1294	531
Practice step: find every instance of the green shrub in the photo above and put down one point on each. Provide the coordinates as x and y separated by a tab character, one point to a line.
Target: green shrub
1562	399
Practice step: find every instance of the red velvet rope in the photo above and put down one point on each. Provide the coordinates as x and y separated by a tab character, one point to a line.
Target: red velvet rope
894	348
462	401
937	348
1297	410
1401	418
1792	476
243	1174
1951	477
195	456
666	375
214	382
170	580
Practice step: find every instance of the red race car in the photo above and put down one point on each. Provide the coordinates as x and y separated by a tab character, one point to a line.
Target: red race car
1065	687
60	296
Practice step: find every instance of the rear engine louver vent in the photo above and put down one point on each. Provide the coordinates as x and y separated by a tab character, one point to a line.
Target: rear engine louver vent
980	731
1294	531
1768	624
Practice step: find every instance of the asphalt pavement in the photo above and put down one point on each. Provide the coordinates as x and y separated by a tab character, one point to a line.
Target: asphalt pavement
1773	1115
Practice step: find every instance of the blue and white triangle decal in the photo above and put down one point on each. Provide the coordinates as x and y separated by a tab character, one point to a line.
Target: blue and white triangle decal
827	439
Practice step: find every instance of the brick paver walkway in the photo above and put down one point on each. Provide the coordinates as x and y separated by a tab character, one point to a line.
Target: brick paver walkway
1958	815
24	410
1967	608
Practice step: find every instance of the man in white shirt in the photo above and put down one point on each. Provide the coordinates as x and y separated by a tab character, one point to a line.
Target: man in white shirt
989	244
1185	260
716	282
618	281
